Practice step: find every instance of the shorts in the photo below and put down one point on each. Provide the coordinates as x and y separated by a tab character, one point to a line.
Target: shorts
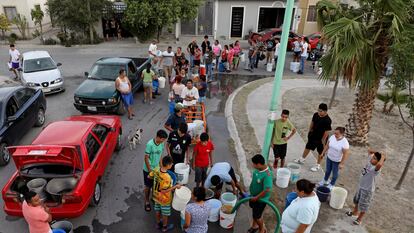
127	99
312	145
201	99
280	151
147	85
258	208
235	60
297	54
167	71
363	199
164	209
200	174
197	62
15	65
147	181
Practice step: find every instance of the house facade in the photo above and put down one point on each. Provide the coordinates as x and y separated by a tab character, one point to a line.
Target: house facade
13	7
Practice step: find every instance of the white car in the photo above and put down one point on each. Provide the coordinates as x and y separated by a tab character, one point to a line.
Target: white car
39	70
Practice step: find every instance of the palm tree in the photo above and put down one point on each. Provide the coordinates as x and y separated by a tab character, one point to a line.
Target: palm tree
360	50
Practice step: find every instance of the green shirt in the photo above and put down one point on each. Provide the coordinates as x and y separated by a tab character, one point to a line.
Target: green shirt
279	129
148	76
154	151
261	180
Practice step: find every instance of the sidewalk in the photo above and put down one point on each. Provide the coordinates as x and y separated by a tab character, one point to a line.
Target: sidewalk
256	108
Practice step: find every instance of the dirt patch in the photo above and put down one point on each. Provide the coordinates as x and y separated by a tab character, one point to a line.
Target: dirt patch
391	210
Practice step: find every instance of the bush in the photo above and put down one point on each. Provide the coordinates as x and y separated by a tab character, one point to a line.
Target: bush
11	40
62	38
14	36
36	33
50	41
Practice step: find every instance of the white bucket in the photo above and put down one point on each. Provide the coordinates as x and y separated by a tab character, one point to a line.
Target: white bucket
161	82
269	67
282	178
294	66
228	200
215	206
242	57
182	171
294	172
181	197
227	220
338	197
38	186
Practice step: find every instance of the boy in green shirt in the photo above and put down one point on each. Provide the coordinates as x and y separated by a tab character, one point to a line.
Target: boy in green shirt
279	139
260	189
153	152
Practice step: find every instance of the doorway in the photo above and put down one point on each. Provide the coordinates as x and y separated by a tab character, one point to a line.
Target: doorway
270	17
237	17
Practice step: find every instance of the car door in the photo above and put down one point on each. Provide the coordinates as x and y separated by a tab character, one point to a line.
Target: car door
132	75
108	143
13	123
28	105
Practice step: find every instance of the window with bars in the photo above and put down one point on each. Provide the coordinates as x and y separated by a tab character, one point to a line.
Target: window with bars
10	12
311	14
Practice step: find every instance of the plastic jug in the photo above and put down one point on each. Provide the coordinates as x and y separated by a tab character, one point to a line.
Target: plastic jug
181	197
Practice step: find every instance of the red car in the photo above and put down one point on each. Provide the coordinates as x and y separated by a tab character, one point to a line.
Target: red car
314	39
68	158
270	33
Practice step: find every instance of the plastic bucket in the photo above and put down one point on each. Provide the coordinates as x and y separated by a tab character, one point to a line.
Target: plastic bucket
294	172
289	198
58	231
209	194
323	193
38	186
227	220
63	225
161	81
269	67
202	69
181	197
338	197
222	68
228	200
215	206
182	171
294	66
242	57
282	178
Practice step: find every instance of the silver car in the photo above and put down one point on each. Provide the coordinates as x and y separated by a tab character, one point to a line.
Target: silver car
39	70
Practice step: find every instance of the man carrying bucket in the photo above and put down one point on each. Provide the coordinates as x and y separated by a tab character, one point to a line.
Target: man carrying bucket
280	138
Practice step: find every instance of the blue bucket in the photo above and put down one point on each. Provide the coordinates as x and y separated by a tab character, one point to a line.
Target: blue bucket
221	67
58	231
289	198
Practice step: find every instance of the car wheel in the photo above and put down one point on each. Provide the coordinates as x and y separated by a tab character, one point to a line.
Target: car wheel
40	117
121	109
118	142
312	55
4	154
96	197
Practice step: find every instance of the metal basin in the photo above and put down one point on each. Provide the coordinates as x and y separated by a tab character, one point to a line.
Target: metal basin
38	186
58	186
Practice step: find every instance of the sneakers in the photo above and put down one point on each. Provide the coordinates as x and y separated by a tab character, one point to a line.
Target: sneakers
299	161
330	186
324	183
316	168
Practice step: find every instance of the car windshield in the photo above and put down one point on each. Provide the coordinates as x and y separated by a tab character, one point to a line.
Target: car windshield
105	71
38	64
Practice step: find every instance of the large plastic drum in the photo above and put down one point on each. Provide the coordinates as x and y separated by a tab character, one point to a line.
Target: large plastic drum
294	172
338	197
182	172
38	186
215	206
63	225
181	197
282	178
228	200
161	81
227	220
323	193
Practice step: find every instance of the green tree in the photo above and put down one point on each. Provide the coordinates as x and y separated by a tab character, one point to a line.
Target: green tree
4	25
21	23
360	50
146	17
37	16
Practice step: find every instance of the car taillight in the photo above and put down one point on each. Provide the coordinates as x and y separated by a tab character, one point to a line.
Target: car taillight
67	199
11	197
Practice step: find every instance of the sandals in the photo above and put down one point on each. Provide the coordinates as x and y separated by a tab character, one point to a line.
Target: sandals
169	227
148	207
356	222
252	230
350	214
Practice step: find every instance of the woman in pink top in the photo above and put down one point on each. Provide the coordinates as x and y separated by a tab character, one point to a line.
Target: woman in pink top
217	51
35	214
230	56
236	58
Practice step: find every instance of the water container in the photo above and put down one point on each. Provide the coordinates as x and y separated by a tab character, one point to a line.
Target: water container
58	231
289	198
242	57
38	186
294	66
215	206
338	197
209	194
161	81
227	220
222	68
323	193
282	178
64	225
202	69
181	197
269	67
228	200
182	171
294	172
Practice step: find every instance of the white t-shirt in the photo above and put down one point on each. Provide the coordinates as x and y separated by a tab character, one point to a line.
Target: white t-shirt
167	58
335	148
14	55
192	93
301	211
277	49
220	169
305	47
153	49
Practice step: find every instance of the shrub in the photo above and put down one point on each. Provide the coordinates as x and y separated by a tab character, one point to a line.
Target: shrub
50	41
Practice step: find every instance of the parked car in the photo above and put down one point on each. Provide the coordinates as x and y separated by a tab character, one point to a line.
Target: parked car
70	164
314	39
21	109
97	94
39	70
270	33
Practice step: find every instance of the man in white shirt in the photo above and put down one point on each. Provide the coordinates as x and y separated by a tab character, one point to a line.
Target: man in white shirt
190	94
304	54
277	48
167	61
152	50
14	59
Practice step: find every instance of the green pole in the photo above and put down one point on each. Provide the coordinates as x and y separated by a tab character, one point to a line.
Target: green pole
278	76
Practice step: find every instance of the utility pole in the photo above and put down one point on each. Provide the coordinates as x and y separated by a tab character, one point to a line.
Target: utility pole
278	78
88	5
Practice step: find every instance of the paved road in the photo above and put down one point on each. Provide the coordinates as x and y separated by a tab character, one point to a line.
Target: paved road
121	207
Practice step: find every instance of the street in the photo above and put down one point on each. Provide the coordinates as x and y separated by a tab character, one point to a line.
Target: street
121	207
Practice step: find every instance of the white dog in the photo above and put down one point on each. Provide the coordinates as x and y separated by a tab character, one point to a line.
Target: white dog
135	138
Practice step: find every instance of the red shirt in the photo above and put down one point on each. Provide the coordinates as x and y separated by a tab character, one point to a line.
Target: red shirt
202	152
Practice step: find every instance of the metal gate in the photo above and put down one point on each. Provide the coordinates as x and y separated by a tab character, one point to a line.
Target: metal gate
203	24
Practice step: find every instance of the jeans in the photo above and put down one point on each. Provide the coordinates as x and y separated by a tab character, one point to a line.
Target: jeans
257	60
333	167
252	61
302	63
191	61
209	71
